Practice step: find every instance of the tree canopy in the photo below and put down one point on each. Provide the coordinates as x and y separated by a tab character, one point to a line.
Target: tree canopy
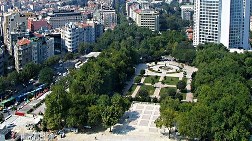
224	97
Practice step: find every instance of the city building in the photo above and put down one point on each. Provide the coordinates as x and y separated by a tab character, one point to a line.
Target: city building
147	18
14	22
142	14
222	22
250	23
34	49
1	61
22	53
42	48
35	24
186	12
73	34
59	18
108	18
185	1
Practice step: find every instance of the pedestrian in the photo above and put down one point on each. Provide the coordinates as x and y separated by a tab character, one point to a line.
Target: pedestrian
95	138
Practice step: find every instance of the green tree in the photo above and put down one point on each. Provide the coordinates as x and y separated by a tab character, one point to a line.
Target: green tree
85	48
46	75
31	70
57	104
196	123
181	85
1	117
13	78
170	92
137	79
167	119
142	72
94	115
52	61
110	116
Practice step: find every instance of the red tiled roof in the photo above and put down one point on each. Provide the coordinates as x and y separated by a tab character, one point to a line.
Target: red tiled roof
138	10
23	41
37	35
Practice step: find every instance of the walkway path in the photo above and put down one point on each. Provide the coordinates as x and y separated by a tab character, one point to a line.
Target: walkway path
137	88
162	73
129	83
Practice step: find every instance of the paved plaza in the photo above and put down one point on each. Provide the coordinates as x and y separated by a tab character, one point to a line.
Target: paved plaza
137	125
142	117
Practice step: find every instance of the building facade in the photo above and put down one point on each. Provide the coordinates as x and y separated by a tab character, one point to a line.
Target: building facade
73	34
14	22
22	53
36	49
142	14
60	18
186	12
35	24
222	21
148	18
1	61
108	18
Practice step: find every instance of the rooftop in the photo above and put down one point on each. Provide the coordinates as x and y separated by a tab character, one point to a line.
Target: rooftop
23	41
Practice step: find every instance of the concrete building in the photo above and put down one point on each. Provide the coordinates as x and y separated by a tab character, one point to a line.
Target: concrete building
36	49
22	53
186	12
222	21
142	14
35	24
250	23
1	61
185	1
59	18
147	18
75	33
108	18
14	22
42	48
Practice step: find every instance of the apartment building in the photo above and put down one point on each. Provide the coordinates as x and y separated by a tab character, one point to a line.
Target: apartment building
42	48
35	49
186	12
142	14
35	24
14	21
59	18
73	34
1	61
108	18
147	18
220	21
22	53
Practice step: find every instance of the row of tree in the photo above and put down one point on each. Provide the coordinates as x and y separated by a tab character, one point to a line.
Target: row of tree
150	46
31	70
221	85
67	109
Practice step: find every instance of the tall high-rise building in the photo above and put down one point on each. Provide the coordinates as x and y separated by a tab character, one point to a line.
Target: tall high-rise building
222	21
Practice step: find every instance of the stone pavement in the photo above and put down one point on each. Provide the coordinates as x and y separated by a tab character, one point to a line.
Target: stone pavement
139	126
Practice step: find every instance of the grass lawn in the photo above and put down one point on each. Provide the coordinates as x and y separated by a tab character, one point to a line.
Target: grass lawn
150	89
131	90
165	90
137	78
185	79
171	80
149	79
184	95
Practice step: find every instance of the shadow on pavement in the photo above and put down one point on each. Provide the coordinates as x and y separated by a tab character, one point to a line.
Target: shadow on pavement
123	127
